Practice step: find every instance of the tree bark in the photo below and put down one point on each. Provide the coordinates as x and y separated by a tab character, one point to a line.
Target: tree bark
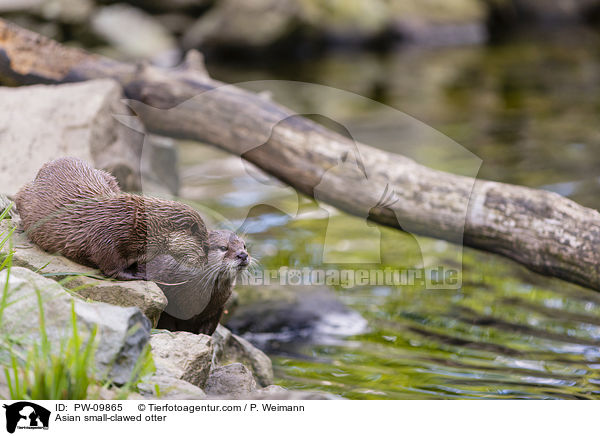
542	230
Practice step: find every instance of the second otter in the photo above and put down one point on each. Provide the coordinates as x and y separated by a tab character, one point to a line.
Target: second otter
80	212
197	296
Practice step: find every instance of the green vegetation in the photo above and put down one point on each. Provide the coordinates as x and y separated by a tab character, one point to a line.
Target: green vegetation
45	374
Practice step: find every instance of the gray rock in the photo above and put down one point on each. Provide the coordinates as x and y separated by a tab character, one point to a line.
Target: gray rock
144	295
65	11
75	119
123	332
86	282
231	348
182	355
166	387
136	34
19	5
233	22
231	381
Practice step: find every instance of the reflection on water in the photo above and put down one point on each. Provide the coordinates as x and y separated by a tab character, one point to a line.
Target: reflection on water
530	112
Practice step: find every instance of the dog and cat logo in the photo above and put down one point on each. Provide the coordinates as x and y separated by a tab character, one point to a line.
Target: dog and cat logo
26	415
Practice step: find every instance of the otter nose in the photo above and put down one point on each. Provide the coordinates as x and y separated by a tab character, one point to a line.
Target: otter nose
243	257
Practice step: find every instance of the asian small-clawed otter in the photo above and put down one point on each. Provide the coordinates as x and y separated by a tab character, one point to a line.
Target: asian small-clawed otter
197	295
80	212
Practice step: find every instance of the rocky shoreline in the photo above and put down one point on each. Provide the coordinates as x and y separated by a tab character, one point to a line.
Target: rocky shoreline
188	366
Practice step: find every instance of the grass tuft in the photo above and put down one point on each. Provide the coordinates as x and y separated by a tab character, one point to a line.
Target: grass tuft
45	375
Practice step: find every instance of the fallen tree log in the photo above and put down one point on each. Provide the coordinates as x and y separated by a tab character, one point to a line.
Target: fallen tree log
542	230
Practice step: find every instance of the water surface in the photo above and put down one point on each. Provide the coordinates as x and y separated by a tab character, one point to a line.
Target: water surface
529	110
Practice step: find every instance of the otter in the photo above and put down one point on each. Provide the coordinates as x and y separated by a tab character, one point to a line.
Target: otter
80	212
197	295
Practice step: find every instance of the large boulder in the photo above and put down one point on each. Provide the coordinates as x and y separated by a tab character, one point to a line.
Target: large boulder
122	332
182	355
86	282
75	119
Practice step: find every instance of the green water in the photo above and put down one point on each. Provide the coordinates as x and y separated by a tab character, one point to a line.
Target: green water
529	110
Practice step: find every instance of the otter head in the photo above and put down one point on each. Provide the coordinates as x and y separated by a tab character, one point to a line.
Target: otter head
227	252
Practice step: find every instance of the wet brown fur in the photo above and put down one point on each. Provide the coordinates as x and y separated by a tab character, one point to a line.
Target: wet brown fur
80	212
197	296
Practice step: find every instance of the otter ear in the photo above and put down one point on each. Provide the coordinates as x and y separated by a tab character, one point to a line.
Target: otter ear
195	228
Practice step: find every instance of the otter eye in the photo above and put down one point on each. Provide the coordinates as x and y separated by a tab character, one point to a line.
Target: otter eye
195	229
244	246
223	248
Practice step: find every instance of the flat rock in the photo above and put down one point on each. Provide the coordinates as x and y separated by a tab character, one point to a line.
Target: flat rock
144	295
76	119
86	282
182	355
